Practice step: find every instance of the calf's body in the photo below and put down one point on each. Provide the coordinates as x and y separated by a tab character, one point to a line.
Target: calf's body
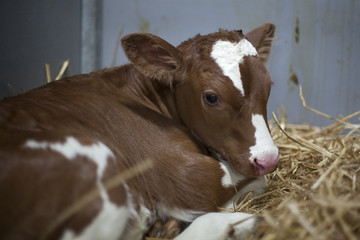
177	107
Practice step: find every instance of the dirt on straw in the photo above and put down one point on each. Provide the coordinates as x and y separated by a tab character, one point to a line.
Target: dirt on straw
315	192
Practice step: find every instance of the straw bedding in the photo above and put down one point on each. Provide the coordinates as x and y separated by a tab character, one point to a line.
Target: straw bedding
315	192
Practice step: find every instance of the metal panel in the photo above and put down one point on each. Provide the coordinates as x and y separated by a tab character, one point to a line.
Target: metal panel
91	35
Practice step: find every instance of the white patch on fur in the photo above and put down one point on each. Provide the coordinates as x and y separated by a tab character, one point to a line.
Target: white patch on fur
229	55
97	152
109	223
145	218
214	226
257	186
231	177
111	220
180	214
140	222
226	179
264	143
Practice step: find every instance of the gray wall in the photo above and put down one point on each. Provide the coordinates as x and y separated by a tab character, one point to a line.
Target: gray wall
318	43
33	33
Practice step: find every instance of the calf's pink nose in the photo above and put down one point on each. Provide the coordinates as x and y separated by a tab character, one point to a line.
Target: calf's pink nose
266	164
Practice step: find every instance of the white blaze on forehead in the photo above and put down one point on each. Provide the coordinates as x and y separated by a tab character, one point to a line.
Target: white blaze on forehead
264	144
229	55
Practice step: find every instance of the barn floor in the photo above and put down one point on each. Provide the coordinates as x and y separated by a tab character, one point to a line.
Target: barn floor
315	192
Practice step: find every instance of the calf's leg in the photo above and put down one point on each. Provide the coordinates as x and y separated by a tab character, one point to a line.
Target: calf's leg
220	225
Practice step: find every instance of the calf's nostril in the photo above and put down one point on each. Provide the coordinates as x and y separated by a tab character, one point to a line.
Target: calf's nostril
266	164
256	161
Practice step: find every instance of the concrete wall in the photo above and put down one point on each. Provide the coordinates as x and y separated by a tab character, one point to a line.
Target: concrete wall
318	43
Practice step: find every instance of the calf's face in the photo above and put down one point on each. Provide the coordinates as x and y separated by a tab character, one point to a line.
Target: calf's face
221	90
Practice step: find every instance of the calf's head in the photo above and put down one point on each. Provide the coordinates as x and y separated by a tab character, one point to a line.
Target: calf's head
221	90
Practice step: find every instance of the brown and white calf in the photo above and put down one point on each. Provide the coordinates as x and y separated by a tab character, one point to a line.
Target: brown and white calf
198	112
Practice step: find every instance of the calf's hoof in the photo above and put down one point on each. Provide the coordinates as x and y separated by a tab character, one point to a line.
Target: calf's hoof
169	229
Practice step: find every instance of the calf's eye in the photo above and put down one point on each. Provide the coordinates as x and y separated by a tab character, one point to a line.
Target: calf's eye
211	98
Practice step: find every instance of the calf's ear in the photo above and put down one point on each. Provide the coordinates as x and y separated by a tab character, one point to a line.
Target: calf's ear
261	38
152	56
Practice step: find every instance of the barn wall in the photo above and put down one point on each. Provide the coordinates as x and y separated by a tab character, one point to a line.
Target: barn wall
318	43
33	33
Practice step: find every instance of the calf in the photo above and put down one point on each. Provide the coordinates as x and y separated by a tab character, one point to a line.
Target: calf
197	112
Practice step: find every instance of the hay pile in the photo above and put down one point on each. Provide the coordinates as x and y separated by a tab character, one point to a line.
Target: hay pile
315	192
